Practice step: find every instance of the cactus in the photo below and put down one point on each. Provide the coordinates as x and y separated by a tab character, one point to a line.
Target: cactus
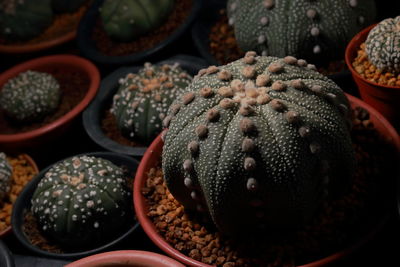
259	143
66	6
82	200
313	30
143	99
125	20
24	19
5	177
30	96
383	45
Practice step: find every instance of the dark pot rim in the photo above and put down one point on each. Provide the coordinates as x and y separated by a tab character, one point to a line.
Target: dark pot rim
23	203
153	154
6	258
108	87
88	47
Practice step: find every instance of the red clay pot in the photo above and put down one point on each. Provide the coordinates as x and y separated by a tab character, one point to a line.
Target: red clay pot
153	155
126	258
54	129
384	98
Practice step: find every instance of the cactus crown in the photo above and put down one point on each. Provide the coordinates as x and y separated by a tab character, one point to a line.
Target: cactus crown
80	200
30	96
260	142
143	99
383	45
5	176
304	28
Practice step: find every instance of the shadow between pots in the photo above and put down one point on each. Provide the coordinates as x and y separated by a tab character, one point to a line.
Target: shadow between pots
23	205
92	116
6	258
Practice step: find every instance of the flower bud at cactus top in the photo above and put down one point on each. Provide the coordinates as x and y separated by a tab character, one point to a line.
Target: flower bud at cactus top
262	144
81	201
125	20
313	30
63	6
24	19
383	45
143	99
5	177
30	96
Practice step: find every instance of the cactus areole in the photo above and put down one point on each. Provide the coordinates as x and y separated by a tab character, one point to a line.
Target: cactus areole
314	30
383	45
82	201
261	144
5	177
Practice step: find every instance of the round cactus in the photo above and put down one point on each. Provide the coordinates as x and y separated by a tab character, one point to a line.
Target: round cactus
5	177
301	28
24	19
63	6
259	143
383	45
30	96
81	201
143	99
125	20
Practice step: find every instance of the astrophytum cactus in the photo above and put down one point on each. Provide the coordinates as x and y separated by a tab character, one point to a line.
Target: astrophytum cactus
125	20
259	143
143	99
30	96
24	19
383	45
5	177
313	30
81	201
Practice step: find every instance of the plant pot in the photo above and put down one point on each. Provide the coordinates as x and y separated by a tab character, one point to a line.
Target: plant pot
45	133
126	258
6	258
35	170
384	98
88	46
44	41
23	204
152	157
92	116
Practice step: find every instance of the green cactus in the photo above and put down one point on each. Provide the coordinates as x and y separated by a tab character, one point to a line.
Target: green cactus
66	6
143	99
125	20
81	201
5	177
313	30
383	45
259	143
30	96
24	19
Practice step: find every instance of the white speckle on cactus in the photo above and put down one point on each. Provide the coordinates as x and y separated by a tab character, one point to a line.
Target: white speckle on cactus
231	21
304	131
188	182
264	21
252	185
96	224
314	31
194	195
261	39
316	49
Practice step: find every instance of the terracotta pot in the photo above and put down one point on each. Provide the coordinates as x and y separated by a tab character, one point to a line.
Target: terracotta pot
37	137
384	98
32	163
152	157
126	258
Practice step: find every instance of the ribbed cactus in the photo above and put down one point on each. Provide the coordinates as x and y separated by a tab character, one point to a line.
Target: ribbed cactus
383	45
258	143
30	96
81	201
125	20
313	30
5	177
63	6
143	99
24	19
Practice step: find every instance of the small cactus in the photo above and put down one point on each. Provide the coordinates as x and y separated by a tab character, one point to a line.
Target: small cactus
383	45
5	177
313	30
81	201
24	19
125	20
143	99
66	6
30	96
262	144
